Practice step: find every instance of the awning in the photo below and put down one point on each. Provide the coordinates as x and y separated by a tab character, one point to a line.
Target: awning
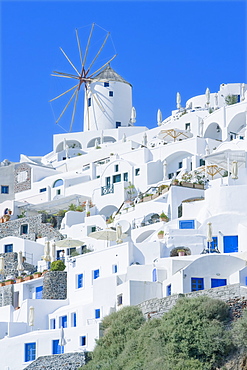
225	158
55	205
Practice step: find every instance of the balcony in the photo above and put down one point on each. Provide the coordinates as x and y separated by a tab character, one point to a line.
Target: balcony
109	189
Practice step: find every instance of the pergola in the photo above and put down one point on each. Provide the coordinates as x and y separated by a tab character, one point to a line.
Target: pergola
174	133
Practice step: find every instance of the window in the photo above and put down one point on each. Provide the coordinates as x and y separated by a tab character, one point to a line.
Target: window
93	229
8	248
89	102
214	244
63	321
170	175
116	178
118	124
22	176
137	171
4	189
218	282
119	299
180	164
197	284
83	340
96	274
187	126
73	319
42	190
58	183
97	313
202	162
39	292
154	275
108	181
187	224
230	243
168	290
110	93
106	84
24	229
52	324
79	281
56	348
126	176
116	168
58	191
30	351
114	269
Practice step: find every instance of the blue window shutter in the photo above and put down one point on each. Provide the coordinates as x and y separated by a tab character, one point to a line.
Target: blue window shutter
96	274
154	275
30	351
74	319
218	282
187	224
83	340
97	313
39	292
230	243
79	281
197	284
64	321
168	290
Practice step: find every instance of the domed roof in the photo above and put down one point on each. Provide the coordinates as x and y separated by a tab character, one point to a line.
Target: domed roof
108	74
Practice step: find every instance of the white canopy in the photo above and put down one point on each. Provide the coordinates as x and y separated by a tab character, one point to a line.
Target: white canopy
225	158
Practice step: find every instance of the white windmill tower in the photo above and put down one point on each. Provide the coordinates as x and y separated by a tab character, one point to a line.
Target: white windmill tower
107	98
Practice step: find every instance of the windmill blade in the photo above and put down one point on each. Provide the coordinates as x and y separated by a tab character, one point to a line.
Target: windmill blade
101	48
79	44
87	47
70	61
74	109
66	74
75	78
98	102
114	56
64	93
66	106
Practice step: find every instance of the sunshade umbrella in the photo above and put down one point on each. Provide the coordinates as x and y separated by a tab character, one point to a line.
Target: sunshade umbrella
87	206
47	257
207	93
165	170
234	170
124	138
53	252
69	243
119	234
159	117
133	115
209	234
178	100
62	342
31	316
96	144
20	266
242	91
102	137
108	234
174	133
145	139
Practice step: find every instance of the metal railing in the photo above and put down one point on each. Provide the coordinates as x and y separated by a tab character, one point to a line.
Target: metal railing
107	189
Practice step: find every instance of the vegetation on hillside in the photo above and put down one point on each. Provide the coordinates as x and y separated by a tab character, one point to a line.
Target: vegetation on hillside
193	335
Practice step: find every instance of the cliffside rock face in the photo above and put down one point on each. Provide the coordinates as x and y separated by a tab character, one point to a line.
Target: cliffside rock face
55	285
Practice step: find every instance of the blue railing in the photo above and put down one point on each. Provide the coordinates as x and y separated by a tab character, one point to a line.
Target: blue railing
107	189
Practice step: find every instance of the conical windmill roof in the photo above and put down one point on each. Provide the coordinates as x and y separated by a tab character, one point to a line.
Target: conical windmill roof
108	74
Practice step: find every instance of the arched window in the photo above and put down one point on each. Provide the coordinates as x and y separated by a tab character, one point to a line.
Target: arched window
58	183
154	275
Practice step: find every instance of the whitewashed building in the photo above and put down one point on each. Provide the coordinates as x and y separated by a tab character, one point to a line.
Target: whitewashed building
190	166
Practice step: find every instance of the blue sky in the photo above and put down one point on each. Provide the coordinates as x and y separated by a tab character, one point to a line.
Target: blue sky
162	46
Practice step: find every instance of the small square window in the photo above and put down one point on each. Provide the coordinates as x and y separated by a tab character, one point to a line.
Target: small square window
42	190
24	229
58	191
126	176
119	299
137	171
89	102
83	340
4	189
170	175
97	313
116	178
116	168
187	126
79	281
168	290
8	248
180	164
202	162
118	124
114	269
110	93
106	84
96	274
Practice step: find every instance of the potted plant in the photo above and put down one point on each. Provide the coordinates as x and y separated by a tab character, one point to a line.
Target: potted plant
181	252
164	217
88	214
2	283
19	279
37	274
175	182
161	234
28	277
9	282
44	272
57	266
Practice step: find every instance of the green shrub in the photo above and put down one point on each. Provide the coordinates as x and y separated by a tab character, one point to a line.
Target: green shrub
239	331
57	266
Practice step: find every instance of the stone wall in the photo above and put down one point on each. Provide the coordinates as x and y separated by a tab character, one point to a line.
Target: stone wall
55	285
6	295
10	265
66	361
157	307
35	227
22	177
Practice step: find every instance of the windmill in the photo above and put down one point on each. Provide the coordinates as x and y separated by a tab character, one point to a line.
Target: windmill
82	75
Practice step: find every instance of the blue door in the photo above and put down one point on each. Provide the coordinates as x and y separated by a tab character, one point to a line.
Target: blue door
56	348
214	244
230	243
218	282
